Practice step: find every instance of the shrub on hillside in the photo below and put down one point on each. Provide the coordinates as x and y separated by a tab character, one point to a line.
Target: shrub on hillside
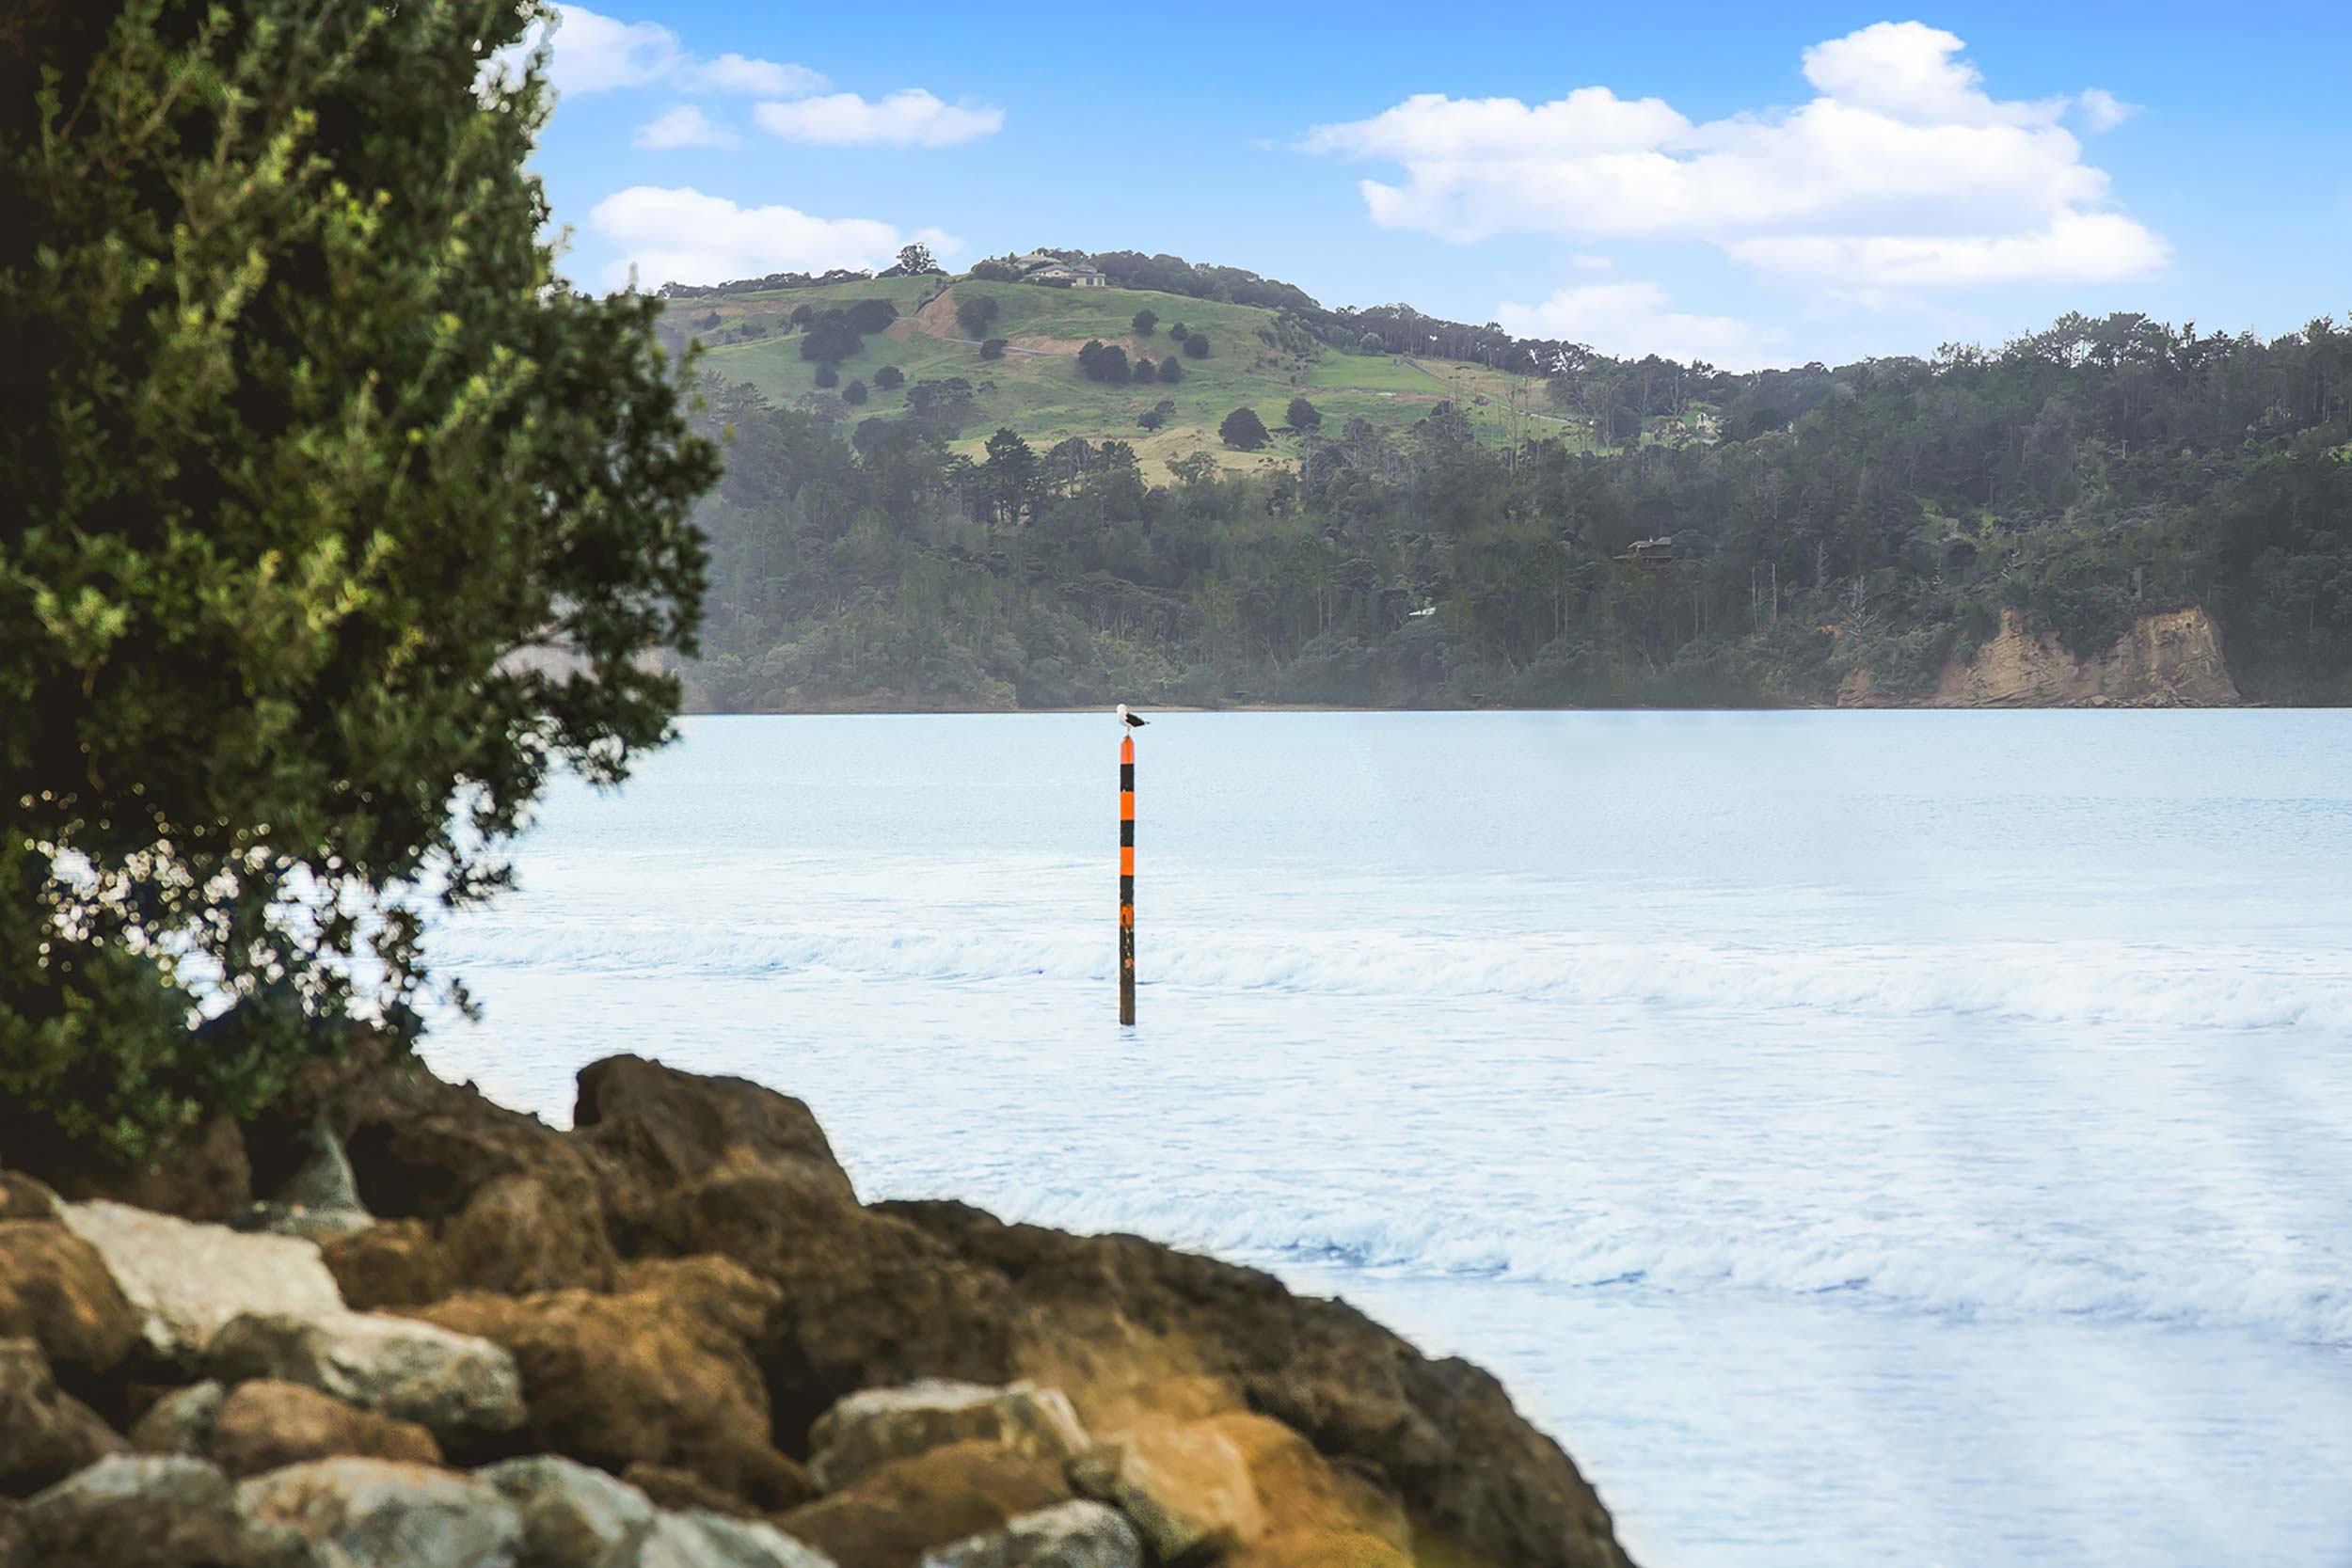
890	378
854	393
1197	346
1243	430
828	375
974	312
1170	371
1144	323
1303	416
992	349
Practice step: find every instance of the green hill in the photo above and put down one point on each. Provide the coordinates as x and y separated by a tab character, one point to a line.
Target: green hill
1257	361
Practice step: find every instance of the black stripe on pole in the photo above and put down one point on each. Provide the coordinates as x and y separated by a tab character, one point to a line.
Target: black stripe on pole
1127	834
1127	775
1126	891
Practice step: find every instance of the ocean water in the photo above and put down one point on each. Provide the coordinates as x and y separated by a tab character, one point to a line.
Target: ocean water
1860	1138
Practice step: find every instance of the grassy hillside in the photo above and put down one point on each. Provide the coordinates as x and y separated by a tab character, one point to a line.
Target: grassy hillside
1038	389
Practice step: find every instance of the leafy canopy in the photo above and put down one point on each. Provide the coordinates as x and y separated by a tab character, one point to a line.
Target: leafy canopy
336	522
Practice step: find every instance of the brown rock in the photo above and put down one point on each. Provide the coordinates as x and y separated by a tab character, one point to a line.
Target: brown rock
673	1128
683	1490
865	1300
180	1421
202	1177
515	1235
153	1511
1440	1436
874	1426
55	1287
1187	1487
266	1424
642	1377
16	1546
45	1433
893	1515
24	1199
391	1263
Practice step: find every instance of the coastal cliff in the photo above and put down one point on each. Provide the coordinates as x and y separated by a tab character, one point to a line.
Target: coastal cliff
675	1335
2172	660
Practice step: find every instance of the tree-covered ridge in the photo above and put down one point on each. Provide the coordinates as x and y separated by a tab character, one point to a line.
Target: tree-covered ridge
1876	516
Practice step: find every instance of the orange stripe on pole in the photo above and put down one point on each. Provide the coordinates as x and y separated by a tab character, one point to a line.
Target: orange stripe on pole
1127	861
1126	805
1126	748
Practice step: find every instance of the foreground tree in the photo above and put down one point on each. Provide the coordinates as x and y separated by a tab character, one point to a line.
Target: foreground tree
1303	416
336	521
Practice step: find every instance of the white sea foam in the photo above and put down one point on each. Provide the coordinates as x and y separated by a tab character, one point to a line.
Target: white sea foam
2086	982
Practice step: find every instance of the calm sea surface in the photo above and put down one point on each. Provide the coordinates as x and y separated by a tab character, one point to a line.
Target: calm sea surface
1862	1139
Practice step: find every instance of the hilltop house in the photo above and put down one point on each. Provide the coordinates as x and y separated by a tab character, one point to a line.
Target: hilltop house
1039	267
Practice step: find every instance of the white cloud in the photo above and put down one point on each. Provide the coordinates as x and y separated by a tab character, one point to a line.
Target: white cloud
910	118
1903	169
734	73
685	126
680	235
2104	110
590	52
1583	263
1630	320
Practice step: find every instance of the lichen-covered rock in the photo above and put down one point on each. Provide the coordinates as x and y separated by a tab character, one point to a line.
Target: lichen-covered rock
1078	1534
56	1289
874	1426
154	1511
1187	1488
574	1515
448	1382
45	1433
715	1541
655	1376
890	1517
391	1263
187	1280
376	1513
265	1425
182	1422
319	1203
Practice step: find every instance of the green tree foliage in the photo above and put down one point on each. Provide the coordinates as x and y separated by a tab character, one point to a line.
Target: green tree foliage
336	522
975	313
1170	371
890	378
1886	517
1303	416
1243	430
1178	333
1144	323
1099	361
1146	368
1197	346
994	349
917	259
828	375
854	394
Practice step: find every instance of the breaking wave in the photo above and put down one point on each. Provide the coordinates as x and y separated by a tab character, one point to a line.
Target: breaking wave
2075	983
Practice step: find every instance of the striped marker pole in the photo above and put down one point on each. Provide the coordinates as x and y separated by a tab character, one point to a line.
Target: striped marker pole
1126	879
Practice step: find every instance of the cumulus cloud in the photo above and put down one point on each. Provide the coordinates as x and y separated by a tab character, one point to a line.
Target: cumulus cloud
1902	171
680	235
910	118
1632	319
2103	110
590	52
684	126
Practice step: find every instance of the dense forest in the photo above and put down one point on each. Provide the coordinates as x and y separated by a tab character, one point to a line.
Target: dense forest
1875	516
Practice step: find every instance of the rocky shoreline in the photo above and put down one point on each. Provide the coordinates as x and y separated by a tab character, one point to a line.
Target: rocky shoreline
673	1338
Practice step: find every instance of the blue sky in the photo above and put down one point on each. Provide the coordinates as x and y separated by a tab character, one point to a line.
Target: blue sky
1742	183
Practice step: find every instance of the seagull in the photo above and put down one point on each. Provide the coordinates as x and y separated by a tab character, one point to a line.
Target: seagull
1133	721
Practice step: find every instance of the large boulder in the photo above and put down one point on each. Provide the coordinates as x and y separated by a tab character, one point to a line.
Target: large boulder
890	1517
1187	1488
180	1421
515	1235
715	1541
660	1374
391	1263
874	1426
45	1433
265	1425
154	1512
1441	1435
865	1301
188	1280
55	1287
450	1383
574	1515
376	1513
1078	1534
672	1129
24	1199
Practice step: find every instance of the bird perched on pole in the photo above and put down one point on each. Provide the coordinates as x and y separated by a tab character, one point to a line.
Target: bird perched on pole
1133	721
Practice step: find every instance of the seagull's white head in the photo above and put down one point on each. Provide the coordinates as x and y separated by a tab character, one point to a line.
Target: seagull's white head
1122	713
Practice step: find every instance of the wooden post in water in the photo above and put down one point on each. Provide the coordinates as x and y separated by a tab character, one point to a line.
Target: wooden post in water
1126	879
